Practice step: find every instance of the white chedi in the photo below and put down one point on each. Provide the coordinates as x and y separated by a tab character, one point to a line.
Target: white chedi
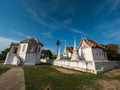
65	55
75	55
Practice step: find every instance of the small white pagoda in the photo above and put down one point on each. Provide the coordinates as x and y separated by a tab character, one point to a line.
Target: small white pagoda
75	55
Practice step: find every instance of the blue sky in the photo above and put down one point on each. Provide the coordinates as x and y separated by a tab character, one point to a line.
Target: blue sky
52	20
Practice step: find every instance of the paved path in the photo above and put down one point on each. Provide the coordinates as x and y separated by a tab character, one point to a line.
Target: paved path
13	79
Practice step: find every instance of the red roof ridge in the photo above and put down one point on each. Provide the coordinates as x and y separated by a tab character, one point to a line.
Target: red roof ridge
92	43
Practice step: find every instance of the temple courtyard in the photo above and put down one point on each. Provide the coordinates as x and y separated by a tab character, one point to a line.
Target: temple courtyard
50	77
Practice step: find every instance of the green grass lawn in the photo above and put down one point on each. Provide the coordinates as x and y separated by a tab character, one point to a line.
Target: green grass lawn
41	77
3	69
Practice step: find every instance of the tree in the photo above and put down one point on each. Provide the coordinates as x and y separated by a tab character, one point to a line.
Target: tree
4	54
46	54
5	51
58	44
112	52
54	56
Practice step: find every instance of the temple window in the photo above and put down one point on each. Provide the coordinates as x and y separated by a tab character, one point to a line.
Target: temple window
14	50
97	54
23	49
35	49
38	49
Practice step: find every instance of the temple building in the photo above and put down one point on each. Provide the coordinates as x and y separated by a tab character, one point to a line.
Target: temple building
89	56
27	52
69	51
90	50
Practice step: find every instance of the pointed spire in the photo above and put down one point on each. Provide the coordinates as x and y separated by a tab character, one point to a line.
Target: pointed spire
75	56
65	47
74	43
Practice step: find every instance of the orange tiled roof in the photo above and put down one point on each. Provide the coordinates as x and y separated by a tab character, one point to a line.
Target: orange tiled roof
69	49
93	44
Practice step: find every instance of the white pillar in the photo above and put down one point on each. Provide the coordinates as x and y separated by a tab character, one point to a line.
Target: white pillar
59	54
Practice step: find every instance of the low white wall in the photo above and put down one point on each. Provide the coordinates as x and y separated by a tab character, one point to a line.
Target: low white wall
32	59
106	65
81	65
86	66
38	58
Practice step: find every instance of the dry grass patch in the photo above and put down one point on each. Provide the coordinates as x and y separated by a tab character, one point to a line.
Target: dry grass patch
66	71
113	73
85	88
48	87
109	84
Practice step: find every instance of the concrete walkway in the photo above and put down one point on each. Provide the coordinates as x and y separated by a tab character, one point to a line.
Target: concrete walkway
13	79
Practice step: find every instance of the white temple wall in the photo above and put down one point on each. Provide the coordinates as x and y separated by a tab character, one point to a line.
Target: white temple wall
15	60
22	50
86	66
11	59
38	58
106	65
69	55
30	59
98	54
86	54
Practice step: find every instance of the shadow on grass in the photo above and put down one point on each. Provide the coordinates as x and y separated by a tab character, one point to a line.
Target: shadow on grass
41	63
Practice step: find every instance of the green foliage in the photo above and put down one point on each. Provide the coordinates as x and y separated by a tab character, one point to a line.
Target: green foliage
112	52
54	56
46	54
5	51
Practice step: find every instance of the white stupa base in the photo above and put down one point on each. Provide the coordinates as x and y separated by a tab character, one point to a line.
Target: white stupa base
75	57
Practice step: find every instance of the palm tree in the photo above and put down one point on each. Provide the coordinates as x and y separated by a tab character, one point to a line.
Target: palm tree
58	44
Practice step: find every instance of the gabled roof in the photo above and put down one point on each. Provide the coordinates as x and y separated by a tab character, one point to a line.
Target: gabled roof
14	44
29	39
92	44
69	49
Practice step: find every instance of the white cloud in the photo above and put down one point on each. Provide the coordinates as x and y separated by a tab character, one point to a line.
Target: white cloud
112	7
109	25
112	34
5	43
47	34
67	22
22	34
40	18
76	30
43	18
114	4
